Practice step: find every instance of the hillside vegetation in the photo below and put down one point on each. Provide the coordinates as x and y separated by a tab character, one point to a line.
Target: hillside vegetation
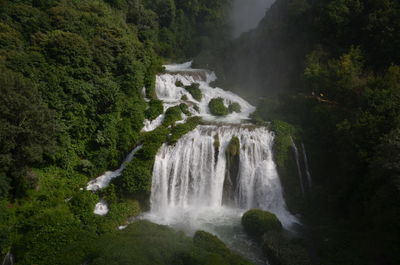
332	69
72	78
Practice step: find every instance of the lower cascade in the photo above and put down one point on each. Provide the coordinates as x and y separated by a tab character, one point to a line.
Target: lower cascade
194	174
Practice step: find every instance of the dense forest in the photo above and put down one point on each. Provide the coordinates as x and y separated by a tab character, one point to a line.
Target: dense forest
72	75
331	68
77	80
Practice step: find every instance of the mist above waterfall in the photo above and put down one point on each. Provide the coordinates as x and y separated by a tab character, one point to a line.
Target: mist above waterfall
246	14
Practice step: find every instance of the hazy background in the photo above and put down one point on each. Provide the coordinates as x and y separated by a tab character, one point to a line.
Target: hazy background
247	14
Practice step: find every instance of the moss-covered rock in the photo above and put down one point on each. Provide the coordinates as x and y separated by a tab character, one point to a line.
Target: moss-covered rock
194	90
185	109
179	83
284	251
184	98
234	107
233	148
258	222
284	156
232	154
283	140
221	254
216	146
181	129
172	115
210	242
217	107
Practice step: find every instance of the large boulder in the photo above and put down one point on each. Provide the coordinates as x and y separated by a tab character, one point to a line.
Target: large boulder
258	222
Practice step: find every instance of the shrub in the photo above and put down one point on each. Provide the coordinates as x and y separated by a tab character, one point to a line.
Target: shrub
217	107
172	115
194	90
155	109
257	222
181	129
179	83
185	109
234	107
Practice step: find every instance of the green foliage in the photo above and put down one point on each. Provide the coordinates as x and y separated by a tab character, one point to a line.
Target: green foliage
155	109
71	77
185	109
181	129
194	90
233	148
257	222
284	133
172	115
217	107
210	243
234	107
179	83
131	246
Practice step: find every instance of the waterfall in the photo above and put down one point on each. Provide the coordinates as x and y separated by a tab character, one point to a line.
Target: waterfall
8	259
299	171
213	174
305	158
189	176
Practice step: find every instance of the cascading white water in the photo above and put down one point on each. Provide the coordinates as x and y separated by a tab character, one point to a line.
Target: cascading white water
299	171
306	167
190	176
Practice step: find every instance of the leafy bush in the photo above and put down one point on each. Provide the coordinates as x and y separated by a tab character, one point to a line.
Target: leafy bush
172	115
155	109
257	222
179	83
217	107
234	107
194	90
181	129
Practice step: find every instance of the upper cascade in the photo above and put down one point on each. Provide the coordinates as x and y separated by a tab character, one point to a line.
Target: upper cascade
172	94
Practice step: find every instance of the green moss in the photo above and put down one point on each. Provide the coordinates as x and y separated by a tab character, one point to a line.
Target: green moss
181	129
283	142
184	98
217	107
233	148
221	253
210	242
216	142
155	109
234	107
144	243
185	109
179	83
172	115
194	90
257	222
284	251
